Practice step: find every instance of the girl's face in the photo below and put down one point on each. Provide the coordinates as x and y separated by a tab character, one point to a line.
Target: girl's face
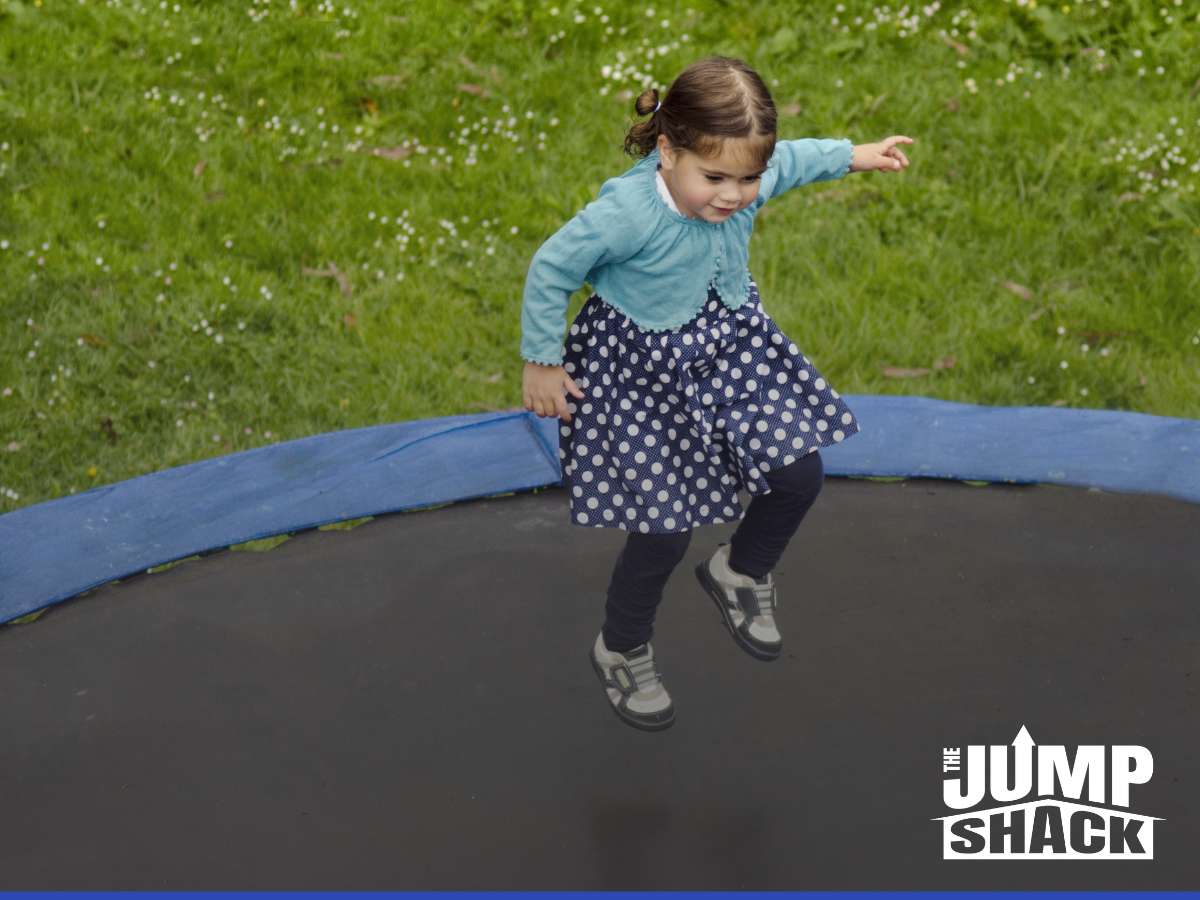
710	189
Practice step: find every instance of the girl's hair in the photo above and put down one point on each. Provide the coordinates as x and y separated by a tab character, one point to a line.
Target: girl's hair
713	100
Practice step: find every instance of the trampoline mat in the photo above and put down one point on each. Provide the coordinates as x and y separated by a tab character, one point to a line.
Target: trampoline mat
408	705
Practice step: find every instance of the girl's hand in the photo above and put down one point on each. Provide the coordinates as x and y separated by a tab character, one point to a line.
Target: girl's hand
884	155
543	389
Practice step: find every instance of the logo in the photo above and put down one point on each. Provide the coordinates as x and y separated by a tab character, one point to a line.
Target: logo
1055	822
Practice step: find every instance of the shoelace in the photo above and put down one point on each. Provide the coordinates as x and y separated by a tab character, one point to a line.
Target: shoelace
768	601
644	673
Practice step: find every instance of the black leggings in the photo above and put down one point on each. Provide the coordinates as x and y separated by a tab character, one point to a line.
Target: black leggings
647	560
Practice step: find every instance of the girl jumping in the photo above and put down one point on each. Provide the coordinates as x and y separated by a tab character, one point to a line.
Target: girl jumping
675	389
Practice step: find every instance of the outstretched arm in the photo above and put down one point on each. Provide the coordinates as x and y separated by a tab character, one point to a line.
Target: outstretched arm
803	161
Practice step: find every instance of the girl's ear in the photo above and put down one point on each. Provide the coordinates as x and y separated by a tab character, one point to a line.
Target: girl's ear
665	153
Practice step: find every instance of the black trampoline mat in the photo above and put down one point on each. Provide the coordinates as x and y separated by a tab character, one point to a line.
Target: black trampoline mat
408	705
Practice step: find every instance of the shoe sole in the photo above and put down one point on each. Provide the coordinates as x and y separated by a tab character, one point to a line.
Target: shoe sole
715	591
645	724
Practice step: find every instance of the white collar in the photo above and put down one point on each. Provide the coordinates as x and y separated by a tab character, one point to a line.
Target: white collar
664	192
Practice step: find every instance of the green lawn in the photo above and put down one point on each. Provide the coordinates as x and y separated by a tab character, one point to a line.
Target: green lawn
225	225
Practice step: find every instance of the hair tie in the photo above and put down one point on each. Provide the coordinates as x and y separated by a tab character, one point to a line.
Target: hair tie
653	111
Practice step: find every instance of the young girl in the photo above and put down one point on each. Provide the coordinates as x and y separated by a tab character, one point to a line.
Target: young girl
682	389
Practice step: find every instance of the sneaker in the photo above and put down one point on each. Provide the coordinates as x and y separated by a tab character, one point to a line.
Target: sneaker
747	604
634	685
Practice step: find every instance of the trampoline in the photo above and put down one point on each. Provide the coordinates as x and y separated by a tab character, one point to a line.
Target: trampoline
404	703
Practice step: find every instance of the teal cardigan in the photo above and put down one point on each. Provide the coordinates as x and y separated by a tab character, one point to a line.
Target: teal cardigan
648	261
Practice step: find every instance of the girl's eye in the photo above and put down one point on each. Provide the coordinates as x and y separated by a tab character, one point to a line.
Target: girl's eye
749	179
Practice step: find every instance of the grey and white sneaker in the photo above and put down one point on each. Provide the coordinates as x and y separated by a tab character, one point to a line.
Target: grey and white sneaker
634	685
747	605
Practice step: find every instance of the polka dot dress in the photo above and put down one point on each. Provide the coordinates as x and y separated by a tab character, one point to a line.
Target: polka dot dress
674	423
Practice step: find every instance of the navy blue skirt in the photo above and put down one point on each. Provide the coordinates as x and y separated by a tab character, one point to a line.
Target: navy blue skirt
674	423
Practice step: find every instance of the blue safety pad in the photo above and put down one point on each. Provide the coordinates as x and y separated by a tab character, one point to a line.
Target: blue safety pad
52	551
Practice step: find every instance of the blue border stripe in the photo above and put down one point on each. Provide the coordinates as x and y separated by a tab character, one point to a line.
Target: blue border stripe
52	551
626	895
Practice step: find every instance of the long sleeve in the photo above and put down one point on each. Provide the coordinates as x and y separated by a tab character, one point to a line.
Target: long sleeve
804	161
599	234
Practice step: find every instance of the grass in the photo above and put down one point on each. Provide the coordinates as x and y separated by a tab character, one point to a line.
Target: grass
229	225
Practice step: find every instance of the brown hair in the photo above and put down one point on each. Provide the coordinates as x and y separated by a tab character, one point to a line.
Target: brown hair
711	101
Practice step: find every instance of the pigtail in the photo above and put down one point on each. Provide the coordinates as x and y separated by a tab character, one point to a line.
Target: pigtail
643	136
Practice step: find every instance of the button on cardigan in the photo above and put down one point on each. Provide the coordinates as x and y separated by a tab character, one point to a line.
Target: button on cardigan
650	262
